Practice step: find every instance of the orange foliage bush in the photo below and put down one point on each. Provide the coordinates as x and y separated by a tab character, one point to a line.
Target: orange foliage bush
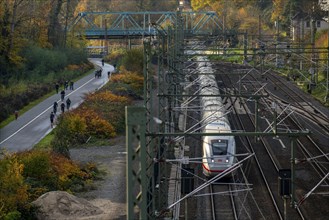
95	124
107	97
135	80
49	171
67	171
108	106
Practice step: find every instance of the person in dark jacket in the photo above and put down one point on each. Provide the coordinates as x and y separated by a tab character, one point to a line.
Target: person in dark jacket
16	114
57	87
68	103
55	107
66	85
52	116
62	95
63	107
71	85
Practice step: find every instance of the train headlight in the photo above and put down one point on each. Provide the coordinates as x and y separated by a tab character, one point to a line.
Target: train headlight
212	160
227	160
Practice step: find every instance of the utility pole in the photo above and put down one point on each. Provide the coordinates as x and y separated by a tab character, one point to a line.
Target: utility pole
327	83
106	38
327	54
313	72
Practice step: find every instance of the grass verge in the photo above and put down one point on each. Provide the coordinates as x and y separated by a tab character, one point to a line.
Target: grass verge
44	143
26	108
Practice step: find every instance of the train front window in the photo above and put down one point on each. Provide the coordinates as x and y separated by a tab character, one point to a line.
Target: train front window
219	147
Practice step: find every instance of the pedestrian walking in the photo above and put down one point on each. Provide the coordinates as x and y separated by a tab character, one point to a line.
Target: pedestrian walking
66	85
57	87
71	85
52	116
63	107
55	107
102	62
16	114
100	73
62	95
68	103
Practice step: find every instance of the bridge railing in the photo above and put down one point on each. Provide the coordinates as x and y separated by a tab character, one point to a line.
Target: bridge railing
140	23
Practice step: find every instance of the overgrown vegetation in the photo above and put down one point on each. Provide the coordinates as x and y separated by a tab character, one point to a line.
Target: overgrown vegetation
101	116
131	60
27	175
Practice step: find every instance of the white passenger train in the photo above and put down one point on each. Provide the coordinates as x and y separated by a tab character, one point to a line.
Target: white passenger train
218	151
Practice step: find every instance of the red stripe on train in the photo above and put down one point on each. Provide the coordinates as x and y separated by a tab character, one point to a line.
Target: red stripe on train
218	171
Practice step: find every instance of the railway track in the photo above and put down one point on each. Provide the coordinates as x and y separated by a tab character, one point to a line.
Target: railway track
312	150
222	202
265	160
247	142
300	103
309	145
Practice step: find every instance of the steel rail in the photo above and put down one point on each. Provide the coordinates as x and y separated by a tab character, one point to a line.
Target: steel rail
212	203
258	163
290	91
297	208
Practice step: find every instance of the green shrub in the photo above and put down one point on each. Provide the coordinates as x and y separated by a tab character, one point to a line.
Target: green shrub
43	60
15	215
75	55
133	60
38	172
13	189
70	131
115	57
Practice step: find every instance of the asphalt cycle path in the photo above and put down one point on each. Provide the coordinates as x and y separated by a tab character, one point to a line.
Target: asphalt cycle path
33	125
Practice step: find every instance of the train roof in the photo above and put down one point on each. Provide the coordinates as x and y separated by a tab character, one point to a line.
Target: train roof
220	126
214	116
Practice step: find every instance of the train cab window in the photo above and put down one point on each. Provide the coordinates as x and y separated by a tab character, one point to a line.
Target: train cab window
219	147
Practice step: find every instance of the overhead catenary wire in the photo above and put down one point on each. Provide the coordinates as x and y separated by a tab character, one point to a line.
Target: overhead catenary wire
207	183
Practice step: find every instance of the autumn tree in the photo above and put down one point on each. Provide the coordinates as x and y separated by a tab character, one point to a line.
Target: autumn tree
54	28
236	14
13	14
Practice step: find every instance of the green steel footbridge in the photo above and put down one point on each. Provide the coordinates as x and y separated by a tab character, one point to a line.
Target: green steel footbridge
116	25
